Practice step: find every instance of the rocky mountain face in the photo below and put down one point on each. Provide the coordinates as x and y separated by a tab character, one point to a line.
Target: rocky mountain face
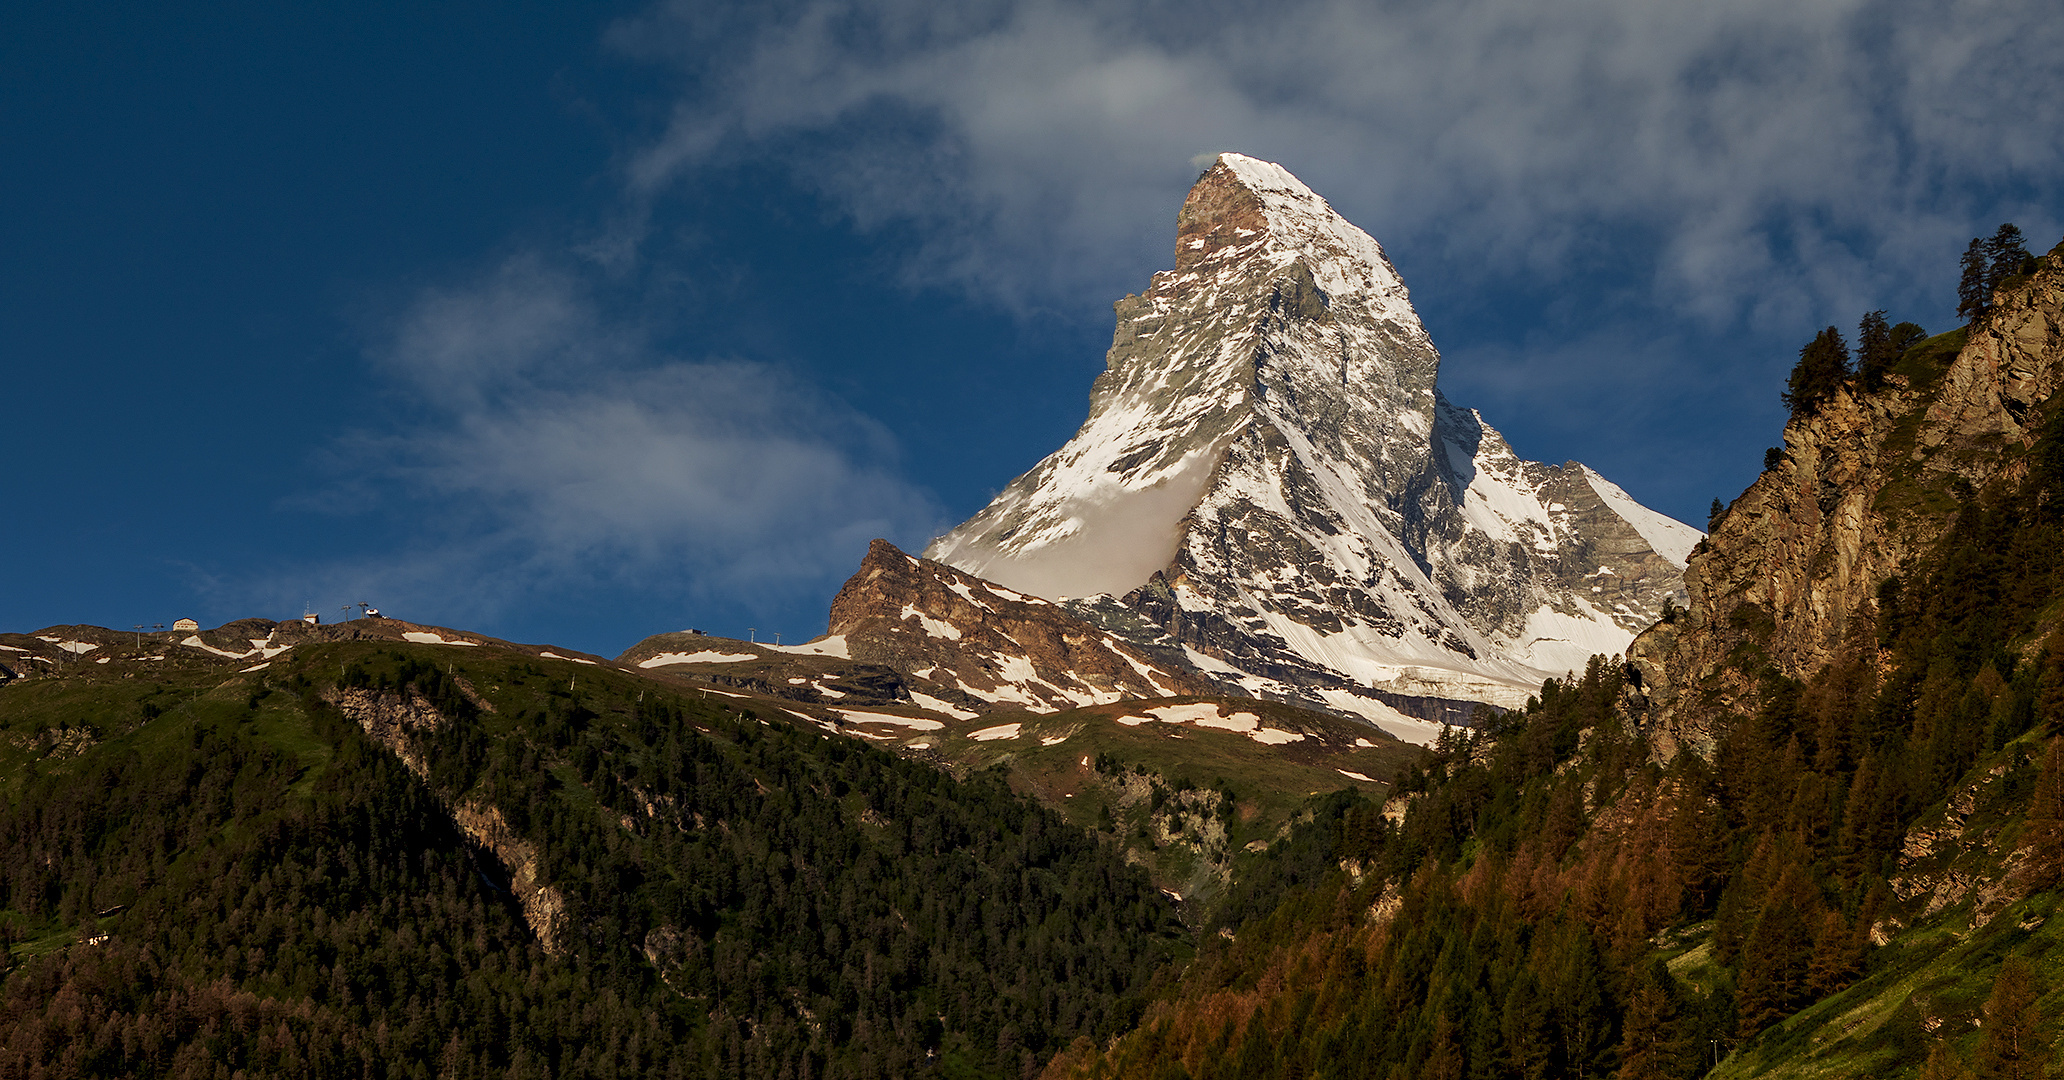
1270	483
987	645
1793	570
911	634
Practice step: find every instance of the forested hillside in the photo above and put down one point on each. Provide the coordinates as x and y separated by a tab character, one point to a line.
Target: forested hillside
1857	877
215	876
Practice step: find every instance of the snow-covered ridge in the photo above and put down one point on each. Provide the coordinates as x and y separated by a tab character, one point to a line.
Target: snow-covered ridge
961	641
1104	512
1268	475
1672	539
1343	259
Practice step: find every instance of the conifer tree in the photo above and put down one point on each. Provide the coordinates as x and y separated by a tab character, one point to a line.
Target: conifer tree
2044	838
1823	364
2012	1047
1944	1064
2005	254
1444	1061
1696	848
1986	265
1653	1034
1837	955
2049	687
1529	1032
1875	351
1776	957
1973	298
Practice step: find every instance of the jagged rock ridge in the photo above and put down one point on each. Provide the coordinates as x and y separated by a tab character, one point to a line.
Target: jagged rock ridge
1270	481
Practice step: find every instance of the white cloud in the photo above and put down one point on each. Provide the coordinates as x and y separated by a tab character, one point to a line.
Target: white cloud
1755	162
1770	156
546	446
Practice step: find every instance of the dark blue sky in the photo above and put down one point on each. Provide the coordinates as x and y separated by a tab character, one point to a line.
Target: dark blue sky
576	328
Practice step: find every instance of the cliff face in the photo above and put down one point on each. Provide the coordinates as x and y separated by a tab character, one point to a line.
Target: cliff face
1791	573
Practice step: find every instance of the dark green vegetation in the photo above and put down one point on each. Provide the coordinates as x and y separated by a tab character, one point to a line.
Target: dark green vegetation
1989	265
1865	874
203	871
1824	365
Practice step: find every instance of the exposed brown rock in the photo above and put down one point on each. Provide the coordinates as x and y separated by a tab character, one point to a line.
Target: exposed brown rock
1220	211
1791	570
392	720
938	624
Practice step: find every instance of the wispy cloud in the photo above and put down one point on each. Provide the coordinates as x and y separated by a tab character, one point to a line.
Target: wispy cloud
1665	168
546	447
1771	157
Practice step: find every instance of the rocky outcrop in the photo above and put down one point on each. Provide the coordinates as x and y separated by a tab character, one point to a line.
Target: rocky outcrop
544	908
393	720
1789	577
995	645
1269	477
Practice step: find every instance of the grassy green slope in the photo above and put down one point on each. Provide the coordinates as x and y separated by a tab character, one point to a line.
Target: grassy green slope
1191	802
1926	987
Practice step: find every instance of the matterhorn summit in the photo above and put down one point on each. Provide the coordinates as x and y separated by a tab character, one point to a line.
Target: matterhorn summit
1270	481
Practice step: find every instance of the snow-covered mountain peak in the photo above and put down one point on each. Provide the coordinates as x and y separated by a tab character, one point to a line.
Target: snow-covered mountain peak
1244	210
1302	226
1268	474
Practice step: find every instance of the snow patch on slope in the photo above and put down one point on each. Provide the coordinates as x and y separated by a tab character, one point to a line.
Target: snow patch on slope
423	637
1409	728
1104	533
1208	714
1670	538
194	642
938	628
855	716
940	705
1560	642
707	656
834	645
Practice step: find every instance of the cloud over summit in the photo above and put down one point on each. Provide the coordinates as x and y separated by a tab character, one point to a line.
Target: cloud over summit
1755	149
1614	214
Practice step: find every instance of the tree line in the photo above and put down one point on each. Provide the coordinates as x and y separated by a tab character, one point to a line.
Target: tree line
1825	363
